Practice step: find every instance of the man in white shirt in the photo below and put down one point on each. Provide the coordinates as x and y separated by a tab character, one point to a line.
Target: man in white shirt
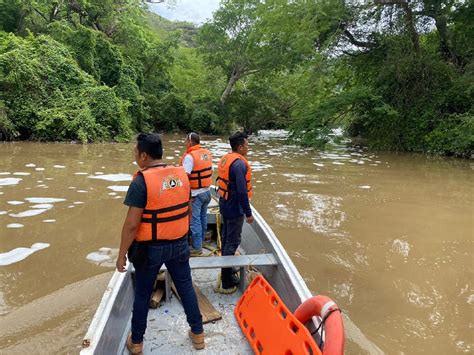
197	163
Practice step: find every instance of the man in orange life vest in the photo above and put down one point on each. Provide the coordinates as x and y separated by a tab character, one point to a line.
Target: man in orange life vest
235	190
197	163
157	224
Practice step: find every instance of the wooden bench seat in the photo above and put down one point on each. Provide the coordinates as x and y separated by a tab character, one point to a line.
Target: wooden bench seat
217	262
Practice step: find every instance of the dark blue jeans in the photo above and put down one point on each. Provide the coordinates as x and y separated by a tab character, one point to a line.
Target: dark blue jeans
231	237
199	218
175	255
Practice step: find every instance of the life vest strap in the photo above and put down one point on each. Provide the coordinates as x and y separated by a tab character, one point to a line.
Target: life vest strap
201	170
154	220
166	209
225	180
200	177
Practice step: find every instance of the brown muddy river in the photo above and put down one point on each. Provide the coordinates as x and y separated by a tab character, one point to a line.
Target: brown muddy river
388	236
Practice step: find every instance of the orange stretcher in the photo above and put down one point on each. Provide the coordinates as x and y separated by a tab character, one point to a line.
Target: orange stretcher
269	325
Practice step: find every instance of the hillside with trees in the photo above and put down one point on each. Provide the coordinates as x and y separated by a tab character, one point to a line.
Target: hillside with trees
394	74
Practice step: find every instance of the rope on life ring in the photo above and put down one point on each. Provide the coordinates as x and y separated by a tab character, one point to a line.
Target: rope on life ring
327	309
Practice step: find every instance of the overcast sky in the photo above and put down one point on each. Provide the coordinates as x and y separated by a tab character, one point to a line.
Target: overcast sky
197	11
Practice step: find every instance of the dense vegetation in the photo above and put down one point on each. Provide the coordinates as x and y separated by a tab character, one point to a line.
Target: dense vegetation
396	74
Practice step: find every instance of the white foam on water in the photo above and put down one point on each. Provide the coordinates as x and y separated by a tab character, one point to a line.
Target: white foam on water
59	166
364	187
44	199
80	162
258	166
82	191
280	206
28	213
39	181
30	165
401	247
71	206
112	193
81	173
277	133
43	205
15	202
4	173
9	181
3	212
337	163
21	173
43	186
39	169
19	254
170	158
117	188
116	197
48	178
112	177
99	173
470	299
49	220
97	257
319	164
285	193
297	176
15	225
78	202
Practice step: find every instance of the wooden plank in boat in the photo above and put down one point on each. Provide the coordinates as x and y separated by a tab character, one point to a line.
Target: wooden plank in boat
208	312
156	297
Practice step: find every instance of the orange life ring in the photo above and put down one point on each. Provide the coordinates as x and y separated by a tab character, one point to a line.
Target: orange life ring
324	307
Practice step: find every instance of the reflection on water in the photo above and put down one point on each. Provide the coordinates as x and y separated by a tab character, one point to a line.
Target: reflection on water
388	236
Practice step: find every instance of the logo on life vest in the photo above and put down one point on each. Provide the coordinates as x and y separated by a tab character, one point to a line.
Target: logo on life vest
205	157
223	162
170	182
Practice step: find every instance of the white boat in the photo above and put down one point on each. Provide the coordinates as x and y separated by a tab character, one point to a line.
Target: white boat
167	328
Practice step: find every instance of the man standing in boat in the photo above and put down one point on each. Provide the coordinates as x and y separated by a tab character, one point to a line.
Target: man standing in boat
235	190
157	224
197	163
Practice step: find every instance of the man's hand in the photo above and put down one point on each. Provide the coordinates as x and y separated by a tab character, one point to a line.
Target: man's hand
249	219
120	264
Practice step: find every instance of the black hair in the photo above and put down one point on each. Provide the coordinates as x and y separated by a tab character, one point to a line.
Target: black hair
194	138
238	138
150	143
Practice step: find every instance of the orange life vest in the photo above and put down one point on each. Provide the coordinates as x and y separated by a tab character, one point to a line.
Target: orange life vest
166	214
201	175
223	172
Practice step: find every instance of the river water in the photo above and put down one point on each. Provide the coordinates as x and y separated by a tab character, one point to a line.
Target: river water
388	236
